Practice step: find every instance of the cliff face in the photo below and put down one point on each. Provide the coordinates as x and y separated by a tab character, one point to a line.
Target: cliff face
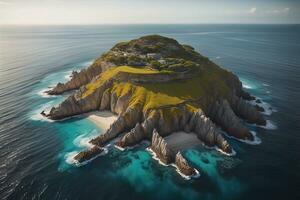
159	146
81	78
187	93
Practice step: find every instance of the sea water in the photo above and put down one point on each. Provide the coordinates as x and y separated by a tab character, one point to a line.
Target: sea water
36	155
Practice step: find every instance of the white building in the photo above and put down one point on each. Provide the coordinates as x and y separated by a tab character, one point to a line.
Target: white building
155	56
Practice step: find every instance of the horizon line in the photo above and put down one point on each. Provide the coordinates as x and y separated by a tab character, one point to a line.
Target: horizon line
101	24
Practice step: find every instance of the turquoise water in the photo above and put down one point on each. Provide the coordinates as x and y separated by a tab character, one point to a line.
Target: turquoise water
35	153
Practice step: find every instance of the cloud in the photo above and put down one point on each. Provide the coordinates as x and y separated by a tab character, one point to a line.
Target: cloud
252	10
275	11
279	11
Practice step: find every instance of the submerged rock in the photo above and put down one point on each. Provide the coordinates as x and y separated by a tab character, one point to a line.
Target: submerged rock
43	113
258	101
259	108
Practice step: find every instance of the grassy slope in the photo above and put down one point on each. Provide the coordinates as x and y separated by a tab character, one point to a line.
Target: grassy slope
155	95
113	72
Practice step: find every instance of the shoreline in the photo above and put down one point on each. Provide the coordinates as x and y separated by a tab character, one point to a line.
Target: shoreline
101	119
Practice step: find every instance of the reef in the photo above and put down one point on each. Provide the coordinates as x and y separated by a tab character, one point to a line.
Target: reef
158	86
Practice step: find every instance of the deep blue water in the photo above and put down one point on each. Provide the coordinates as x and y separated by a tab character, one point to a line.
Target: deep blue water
34	152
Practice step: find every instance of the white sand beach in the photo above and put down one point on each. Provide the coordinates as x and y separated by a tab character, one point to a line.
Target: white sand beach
103	119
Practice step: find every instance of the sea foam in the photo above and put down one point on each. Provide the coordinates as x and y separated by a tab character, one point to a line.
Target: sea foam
255	141
197	175
69	158
268	109
246	86
269	125
43	93
84	141
154	156
37	116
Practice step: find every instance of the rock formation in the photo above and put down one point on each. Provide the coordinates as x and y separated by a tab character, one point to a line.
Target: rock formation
159	147
88	154
183	165
81	78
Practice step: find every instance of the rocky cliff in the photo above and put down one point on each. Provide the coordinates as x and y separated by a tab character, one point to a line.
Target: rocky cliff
169	87
81	78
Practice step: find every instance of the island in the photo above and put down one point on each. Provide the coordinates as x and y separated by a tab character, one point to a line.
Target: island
164	92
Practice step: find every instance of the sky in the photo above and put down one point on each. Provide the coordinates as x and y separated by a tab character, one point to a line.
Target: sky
56	12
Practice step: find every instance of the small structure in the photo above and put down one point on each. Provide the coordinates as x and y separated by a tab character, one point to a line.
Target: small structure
162	61
155	56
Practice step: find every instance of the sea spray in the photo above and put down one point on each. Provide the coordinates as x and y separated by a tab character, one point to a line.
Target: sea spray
83	141
155	157
269	126
256	140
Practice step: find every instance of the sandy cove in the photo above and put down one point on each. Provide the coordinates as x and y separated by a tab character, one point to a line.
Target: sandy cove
102	119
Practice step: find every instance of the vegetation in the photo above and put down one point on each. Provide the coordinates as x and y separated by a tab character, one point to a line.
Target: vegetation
199	91
206	87
110	73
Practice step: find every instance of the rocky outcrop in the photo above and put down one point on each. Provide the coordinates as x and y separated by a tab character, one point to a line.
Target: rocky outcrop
223	115
115	129
88	154
207	132
187	121
125	122
81	78
246	111
183	165
76	104
159	147
258	101
120	104
259	108
105	100
135	136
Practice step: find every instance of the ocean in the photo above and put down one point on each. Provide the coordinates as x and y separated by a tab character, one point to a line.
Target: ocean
35	153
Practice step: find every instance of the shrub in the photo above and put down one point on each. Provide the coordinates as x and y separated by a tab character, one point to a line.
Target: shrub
155	64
